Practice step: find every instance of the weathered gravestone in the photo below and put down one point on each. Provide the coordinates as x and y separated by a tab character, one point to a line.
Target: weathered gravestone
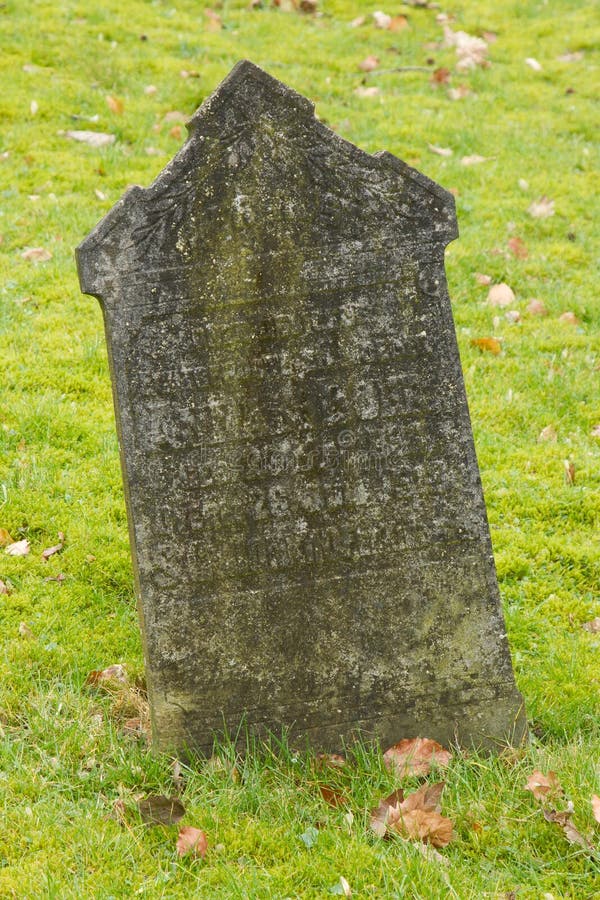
308	529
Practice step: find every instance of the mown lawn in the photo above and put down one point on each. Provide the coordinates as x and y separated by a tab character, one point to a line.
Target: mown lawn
65	759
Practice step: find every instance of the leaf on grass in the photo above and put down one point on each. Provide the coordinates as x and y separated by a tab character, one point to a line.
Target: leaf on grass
388	810
482	279
19	548
356	23
335	760
542	208
547	435
569	317
459	92
366	91
596	800
593	627
563	820
341	888
150	90
91	138
160	810
440	151
214	21
487	345
50	551
113	673
191	841
513	316
440	76
518	248
474	159
501	295
24	630
542	786
309	837
115	104
4	588
5	537
595	432
382	20
416	756
369	64
119	812
428	827
332	797
533	64
536	308
569	472
417	817
471	51
36	254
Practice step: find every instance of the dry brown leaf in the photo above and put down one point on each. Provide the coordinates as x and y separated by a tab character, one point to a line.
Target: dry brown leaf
24	630
176	132
115	104
416	756
459	92
569	472
369	64
36	254
214	21
387	811
150	89
487	344
518	248
160	810
440	151
569	317
536	308
501	295
593	627
112	673
308	6
428	827
542	786
193	841
356	23
513	316
119	812
332	797
366	91
547	435
542	208
474	159
563	819
91	138
382	20
398	23
5	537
19	548
482	279
440	76
596	800
50	551
471	51
4	588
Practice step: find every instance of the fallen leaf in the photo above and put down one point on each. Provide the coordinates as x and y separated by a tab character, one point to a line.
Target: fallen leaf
50	551
310	837
193	841
596	802
474	159
116	672
335	760
488	344
369	64
59	578
542	786
533	64
382	20
150	89
5	538
135	728
36	254
119	812
547	435
569	472
24	630
356	23
176	132
33	107
482	279
160	810
417	817
440	151
471	51
189	74
99	194
536	308
398	23
309	6
386	811
542	208
440	76
513	316
563	819
4	588
19	548
518	248
92	138
569	317
593	627
214	23
501	295
366	91
428	827
332	797
416	756
115	105
459	92
342	888
595	432
576	56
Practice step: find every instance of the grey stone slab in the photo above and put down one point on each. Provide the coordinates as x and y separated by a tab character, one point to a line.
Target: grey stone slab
307	523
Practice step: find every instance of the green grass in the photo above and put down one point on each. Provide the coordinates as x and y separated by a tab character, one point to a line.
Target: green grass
64	758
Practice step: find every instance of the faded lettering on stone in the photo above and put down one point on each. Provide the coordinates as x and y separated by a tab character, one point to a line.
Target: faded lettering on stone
308	530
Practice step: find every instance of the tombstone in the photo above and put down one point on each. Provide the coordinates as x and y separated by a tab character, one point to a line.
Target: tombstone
309	536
